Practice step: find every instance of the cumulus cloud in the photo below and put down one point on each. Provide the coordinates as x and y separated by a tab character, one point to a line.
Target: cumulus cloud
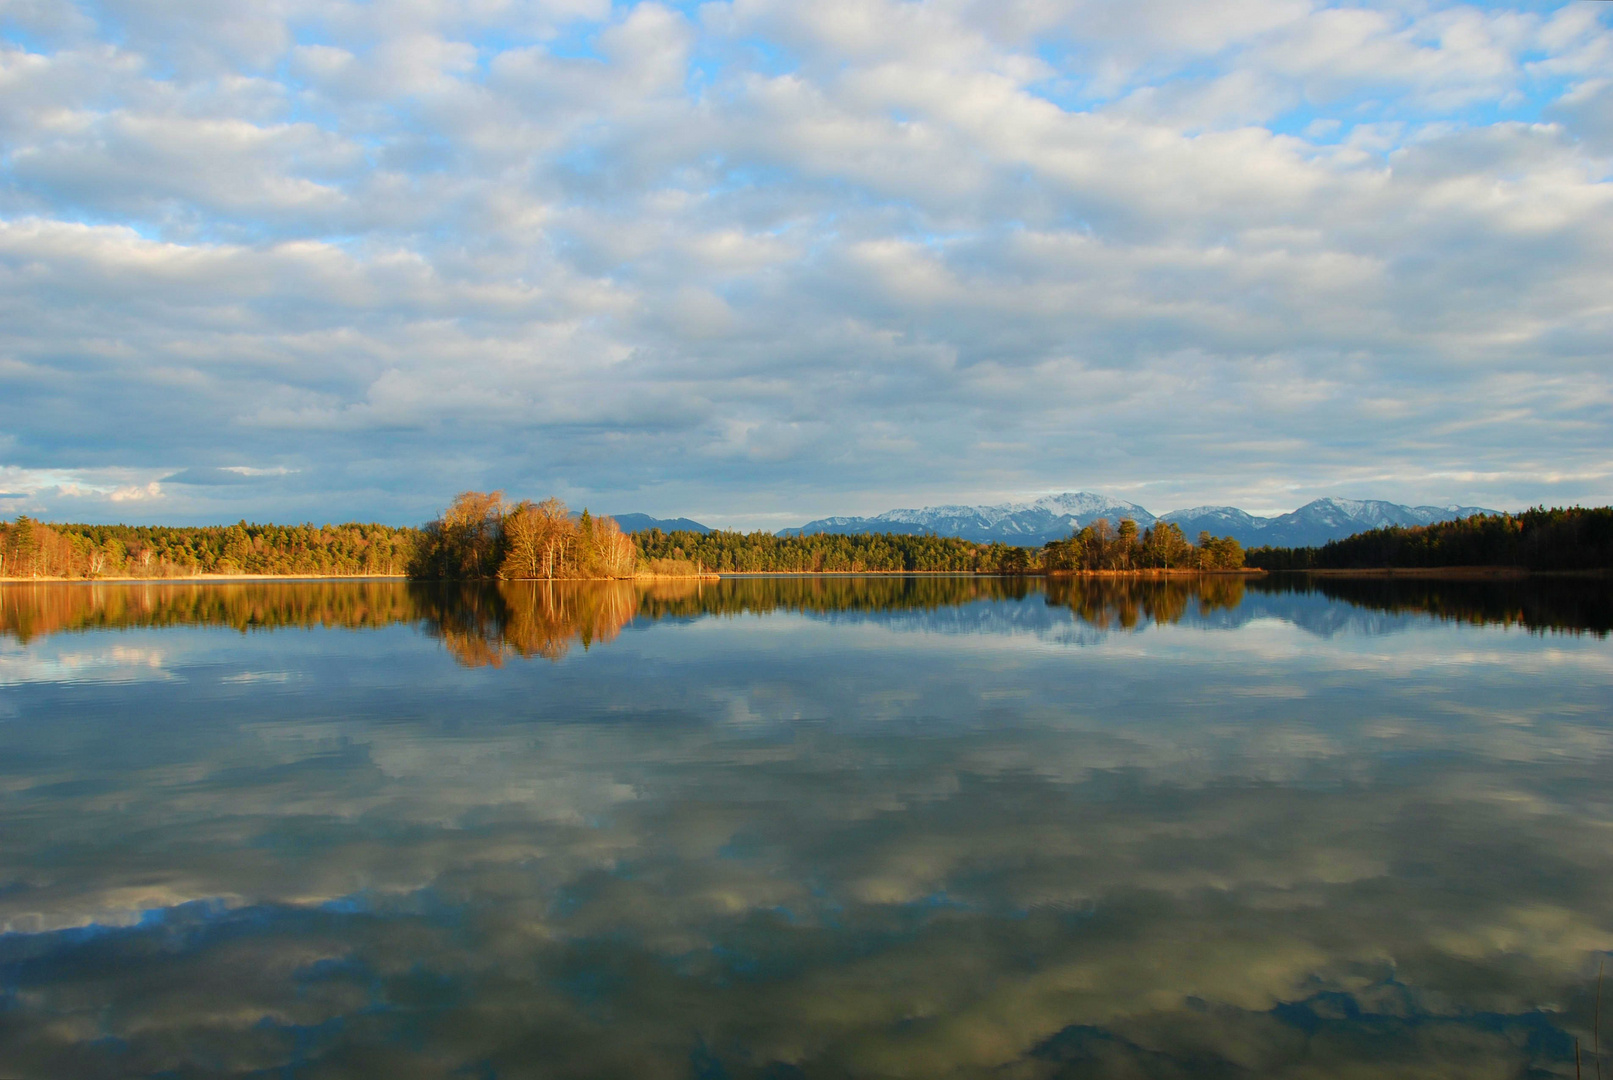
759	258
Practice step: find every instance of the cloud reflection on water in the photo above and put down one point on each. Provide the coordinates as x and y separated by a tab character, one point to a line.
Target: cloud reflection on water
485	623
806	852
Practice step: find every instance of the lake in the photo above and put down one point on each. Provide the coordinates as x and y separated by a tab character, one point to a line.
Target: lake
833	827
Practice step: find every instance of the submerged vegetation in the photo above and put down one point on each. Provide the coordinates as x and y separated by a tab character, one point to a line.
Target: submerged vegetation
1575	538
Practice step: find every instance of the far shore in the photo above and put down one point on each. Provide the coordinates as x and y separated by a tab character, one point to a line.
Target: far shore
125	580
1451	573
1445	573
194	578
709	575
1246	572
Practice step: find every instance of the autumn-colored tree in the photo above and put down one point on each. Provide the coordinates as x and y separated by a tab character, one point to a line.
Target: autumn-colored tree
31	549
467	541
1223	553
1125	544
1098	540
540	539
1167	546
615	554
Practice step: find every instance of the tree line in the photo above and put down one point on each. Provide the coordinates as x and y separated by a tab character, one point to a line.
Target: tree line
1098	547
32	549
1539	605
481	535
1572	538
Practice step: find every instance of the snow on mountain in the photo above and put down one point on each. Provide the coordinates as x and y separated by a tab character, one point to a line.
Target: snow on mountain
1056	516
1032	524
1317	522
1217	521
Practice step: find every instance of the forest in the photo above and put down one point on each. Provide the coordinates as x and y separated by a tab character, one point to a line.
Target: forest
1098	547
1562	539
481	535
32	549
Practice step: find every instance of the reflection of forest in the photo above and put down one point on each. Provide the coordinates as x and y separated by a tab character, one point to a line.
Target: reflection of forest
1127	603
1536	603
29	610
483	623
826	594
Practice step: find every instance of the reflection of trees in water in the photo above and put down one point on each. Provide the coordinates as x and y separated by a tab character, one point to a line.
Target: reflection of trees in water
482	624
1572	605
824	595
31	610
1127	603
485	622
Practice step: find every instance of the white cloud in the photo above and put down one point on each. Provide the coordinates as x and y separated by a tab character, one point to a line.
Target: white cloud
133	493
665	259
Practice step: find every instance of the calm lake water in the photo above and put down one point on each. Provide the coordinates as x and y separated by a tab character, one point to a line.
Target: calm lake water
870	827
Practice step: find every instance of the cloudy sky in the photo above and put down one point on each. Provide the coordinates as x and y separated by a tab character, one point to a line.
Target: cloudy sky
758	261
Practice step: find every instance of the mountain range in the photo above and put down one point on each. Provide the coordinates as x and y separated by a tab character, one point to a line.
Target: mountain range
1315	523
1056	516
633	523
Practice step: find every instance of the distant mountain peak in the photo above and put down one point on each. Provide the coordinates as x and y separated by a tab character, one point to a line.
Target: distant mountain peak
643	523
1084	502
1053	517
1031	523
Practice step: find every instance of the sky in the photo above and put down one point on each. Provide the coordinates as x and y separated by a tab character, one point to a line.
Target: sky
759	261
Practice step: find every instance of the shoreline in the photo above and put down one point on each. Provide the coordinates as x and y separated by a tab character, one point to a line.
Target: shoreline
1447	573
203	579
1451	573
1248	572
195	578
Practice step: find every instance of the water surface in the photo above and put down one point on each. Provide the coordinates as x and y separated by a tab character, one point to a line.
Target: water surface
846	827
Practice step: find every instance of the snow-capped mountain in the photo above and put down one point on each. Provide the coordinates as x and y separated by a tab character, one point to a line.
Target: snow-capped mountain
1313	524
1056	516
1218	521
1030	524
